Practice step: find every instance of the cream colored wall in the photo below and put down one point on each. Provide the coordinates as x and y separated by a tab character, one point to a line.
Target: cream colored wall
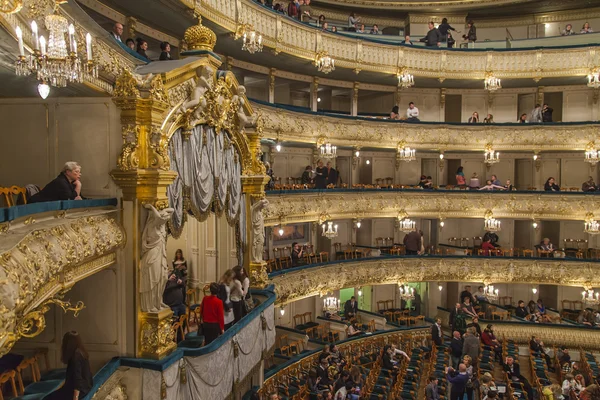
426	100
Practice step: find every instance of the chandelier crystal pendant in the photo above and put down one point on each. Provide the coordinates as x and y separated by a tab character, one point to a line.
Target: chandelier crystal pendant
592	154
406	292
590	297
491	293
328	150
594	78
492	83
324	62
330	231
53	62
405	80
490	156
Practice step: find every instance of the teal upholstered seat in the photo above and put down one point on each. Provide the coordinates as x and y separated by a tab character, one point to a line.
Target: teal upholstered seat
59	373
43	387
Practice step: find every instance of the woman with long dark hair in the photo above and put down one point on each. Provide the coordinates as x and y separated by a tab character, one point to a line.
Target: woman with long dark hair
238	292
78	382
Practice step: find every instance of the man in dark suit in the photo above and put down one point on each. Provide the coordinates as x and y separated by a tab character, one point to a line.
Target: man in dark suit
455	311
458	381
513	370
323	374
456	348
350	308
66	186
537	346
332	174
436	332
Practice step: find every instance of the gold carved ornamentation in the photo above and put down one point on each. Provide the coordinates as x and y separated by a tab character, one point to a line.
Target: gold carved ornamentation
159	157
199	37
157	90
293	286
129	158
126	85
156	335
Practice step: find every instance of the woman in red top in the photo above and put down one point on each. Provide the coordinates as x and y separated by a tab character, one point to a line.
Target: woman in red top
213	323
487	246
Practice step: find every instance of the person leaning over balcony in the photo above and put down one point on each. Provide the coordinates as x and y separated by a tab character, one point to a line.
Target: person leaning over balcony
374	30
589	185
445	29
306	11
165	53
213	323
433	37
78	381
489	119
412	113
474	119
568	31
551	186
522	119
293	9
407	41
471	35
586	28
66	186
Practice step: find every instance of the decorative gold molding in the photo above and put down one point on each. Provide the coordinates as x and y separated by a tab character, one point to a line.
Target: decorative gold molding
293	286
304	42
306	207
301	127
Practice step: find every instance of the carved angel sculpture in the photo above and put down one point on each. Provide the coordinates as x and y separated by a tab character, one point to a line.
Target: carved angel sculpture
154	267
203	84
258	230
245	120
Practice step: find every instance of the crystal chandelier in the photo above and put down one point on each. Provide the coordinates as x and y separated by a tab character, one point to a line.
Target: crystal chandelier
406	292
406	154
331	304
590	297
592	154
53	63
405	80
490	292
594	78
328	150
490	156
492	83
251	41
406	225
324	62
330	231
492	225
591	226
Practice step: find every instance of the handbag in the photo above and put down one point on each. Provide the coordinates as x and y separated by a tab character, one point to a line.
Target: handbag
249	303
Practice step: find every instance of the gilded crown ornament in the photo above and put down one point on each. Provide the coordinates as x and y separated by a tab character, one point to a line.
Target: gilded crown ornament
199	37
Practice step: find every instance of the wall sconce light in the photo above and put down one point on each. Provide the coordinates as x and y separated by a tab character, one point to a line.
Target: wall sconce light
280	231
534	290
278	146
368	162
537	161
440	287
356	223
441	162
360	292
535	224
442	223
355	157
282	311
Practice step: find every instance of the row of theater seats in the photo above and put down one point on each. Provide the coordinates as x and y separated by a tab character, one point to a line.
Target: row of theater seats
12	196
26	381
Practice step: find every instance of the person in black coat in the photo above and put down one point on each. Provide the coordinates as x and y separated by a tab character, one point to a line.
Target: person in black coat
551	186
436	332
433	37
521	311
386	361
513	370
66	186
332	175
350	308
537	347
547	113
321	177
471	36
458	380
78	381
456	348
445	29
165	53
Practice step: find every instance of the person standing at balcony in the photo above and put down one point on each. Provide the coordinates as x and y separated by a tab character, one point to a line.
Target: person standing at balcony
547	113
445	29
433	37
117	31
460	177
412	113
213	323
332	174
486	246
568	31
350	308
307	176
374	30
225	285
471	35
297	254
586	28
523	119
165	53
174	294
474	182
474	119
306	11
241	283
321	177
66	186
412	242
353	21
293	9
78	381
394	114
536	115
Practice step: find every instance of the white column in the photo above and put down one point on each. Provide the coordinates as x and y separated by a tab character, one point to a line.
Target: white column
354	106
314	94
272	85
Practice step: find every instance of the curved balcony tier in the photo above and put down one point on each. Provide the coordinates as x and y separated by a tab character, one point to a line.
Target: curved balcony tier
317	279
287	123
285	35
45	249
296	206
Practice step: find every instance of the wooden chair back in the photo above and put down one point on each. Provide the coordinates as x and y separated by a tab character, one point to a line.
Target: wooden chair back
298	319
324	256
381	305
337	247
176	328
17	195
5	197
505	300
8	376
28	363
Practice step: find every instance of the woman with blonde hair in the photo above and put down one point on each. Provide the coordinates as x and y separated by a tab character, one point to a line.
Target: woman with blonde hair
468	361
552	392
225	285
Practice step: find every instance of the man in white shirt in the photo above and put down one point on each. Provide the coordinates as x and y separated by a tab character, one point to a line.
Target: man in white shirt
117	31
412	113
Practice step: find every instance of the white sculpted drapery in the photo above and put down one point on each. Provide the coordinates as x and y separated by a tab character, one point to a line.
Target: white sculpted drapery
258	230
209	172
153	264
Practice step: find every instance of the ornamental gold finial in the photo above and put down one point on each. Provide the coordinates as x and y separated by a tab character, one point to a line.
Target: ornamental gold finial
199	37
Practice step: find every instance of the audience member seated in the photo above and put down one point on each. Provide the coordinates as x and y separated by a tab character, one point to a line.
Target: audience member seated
388	362
394	113
361	29
564	360
165	53
428	183
467	293
374	30
586	28
522	119
487	384
324	382
537	346
431	390
494	239
353	330
490	186
552	392
545	245
551	186
591	392
475	324
78	381
117	31
142	46
474	119
350	308
487	246
568	31
66	186
521	311
489	119
412	112
130	43
474	182
569	383
586	318
589	185
213	323
407	41
509	186
513	370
